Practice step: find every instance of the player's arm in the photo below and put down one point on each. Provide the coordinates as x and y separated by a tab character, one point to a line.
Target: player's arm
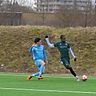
31	48
72	53
48	42
31	51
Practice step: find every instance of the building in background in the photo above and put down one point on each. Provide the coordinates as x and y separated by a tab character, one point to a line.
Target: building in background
51	6
94	4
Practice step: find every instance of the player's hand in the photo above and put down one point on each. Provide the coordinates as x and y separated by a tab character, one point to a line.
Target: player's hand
74	59
46	36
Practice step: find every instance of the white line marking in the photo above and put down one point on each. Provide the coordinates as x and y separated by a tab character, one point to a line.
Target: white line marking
41	90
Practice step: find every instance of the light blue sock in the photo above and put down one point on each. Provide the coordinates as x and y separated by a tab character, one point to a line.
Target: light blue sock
35	74
41	70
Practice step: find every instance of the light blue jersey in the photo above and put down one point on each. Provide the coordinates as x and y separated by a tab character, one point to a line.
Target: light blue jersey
39	55
38	52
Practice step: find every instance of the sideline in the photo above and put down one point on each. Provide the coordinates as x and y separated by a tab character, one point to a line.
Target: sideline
41	90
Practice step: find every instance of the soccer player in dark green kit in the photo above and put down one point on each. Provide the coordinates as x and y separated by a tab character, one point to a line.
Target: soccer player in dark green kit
64	49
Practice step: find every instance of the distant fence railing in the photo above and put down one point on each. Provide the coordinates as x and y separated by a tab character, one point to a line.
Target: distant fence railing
10	18
48	19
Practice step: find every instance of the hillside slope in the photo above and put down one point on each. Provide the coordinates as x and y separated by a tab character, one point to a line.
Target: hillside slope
15	41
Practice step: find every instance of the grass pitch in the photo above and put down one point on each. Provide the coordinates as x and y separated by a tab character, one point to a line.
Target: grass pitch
12	84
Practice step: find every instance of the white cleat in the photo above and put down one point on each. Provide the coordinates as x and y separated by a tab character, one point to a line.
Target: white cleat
77	78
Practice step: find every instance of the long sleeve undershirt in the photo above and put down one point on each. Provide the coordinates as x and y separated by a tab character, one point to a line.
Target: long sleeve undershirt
52	46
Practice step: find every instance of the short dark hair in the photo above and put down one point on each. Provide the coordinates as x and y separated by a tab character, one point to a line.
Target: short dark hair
61	36
36	40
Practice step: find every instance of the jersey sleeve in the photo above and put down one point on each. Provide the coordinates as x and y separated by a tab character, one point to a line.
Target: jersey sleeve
68	45
49	44
31	49
55	44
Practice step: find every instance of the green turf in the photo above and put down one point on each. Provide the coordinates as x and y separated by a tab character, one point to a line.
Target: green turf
17	85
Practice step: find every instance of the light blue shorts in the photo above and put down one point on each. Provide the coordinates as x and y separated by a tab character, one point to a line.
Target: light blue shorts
37	63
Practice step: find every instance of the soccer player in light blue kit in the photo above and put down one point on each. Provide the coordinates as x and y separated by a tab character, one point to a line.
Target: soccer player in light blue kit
39	57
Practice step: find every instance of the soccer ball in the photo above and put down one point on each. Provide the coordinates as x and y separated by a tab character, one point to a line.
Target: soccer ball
84	78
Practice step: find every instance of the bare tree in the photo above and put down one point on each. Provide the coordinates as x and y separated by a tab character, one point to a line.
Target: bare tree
75	15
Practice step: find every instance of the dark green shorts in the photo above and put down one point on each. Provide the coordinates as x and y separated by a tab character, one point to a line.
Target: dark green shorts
66	62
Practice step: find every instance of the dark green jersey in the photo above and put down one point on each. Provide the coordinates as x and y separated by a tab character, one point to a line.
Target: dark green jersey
63	48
